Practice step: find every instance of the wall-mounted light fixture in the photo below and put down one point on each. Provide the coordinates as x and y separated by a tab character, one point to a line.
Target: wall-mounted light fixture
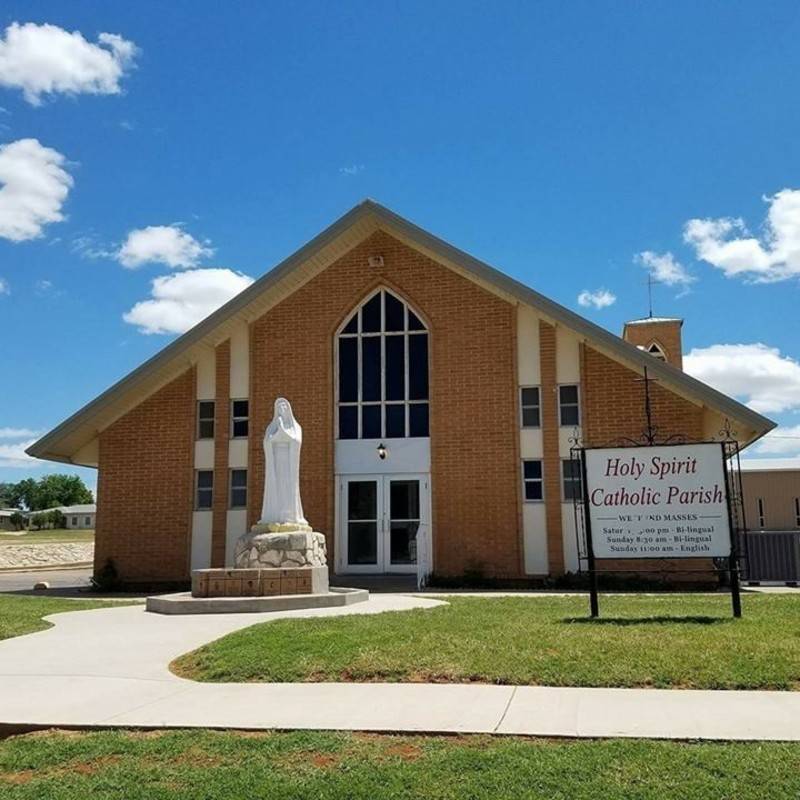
382	451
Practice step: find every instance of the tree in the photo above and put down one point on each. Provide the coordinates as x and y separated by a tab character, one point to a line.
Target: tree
10	496
52	490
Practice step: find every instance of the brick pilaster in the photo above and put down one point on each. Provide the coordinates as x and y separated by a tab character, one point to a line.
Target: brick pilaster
221	436
552	461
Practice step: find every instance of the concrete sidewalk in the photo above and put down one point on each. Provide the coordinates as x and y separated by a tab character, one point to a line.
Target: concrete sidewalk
109	667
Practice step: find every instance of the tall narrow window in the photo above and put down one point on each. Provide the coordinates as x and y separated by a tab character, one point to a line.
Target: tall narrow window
571	479
532	480
240	419
383	390
205	419
529	402
238	488
568	405
204	489
761	519
797	511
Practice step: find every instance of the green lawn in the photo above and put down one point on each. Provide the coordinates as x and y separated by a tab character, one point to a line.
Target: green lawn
687	641
206	765
21	614
61	535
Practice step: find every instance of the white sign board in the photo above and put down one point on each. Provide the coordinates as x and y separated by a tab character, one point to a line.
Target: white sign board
658	502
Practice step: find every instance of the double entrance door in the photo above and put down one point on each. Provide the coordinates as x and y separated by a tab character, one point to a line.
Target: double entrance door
383	519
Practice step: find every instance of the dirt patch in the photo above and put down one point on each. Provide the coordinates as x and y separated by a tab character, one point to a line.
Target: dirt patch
18	778
326	760
404	751
90	767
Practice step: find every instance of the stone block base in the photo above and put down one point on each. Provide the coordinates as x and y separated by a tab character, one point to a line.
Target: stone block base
259	582
260	549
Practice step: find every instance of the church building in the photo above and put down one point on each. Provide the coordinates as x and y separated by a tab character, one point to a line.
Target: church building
439	401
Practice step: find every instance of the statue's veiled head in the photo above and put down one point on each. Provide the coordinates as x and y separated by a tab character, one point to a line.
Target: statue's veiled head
284	410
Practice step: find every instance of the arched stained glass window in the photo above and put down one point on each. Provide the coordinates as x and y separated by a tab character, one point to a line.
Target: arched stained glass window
382	382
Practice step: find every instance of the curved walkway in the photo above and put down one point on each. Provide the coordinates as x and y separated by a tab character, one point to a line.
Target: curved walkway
109	667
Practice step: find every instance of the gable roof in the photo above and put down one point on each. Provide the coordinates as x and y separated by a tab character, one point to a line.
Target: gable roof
65	441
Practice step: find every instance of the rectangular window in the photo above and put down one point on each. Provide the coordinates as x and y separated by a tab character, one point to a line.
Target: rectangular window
204	489
74	522
532	480
87	521
571	479
797	511
240	419
529	401
569	415
761	520
205	419
238	492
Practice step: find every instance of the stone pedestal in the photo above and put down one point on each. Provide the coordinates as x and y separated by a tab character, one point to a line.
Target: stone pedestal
265	547
270	561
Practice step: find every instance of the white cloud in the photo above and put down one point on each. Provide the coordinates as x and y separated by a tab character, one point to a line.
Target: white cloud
180	301
783	441
18	433
14	455
351	169
665	269
33	188
164	244
726	244
12	452
766	380
45	59
601	298
4	288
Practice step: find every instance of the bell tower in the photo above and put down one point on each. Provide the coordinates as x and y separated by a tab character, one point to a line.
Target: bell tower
659	336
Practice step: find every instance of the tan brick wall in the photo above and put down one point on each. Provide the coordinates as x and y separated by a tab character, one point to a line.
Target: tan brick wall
221	438
145	487
666	333
473	419
613	407
551	462
614	403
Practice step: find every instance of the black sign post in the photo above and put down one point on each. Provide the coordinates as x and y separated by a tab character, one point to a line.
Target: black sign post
594	604
733	559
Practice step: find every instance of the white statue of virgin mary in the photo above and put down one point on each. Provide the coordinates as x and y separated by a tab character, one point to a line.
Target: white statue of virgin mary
282	441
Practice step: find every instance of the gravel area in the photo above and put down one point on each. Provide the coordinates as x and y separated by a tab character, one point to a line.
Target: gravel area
39	555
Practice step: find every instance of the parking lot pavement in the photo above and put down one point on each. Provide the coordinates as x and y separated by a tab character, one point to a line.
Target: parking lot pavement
60	580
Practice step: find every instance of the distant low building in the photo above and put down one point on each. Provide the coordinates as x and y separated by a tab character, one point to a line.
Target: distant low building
79	517
6	515
771	488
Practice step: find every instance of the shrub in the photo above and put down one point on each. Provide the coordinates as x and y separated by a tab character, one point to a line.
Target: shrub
106	579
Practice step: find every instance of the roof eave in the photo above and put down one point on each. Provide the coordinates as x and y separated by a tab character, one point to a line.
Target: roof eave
46	446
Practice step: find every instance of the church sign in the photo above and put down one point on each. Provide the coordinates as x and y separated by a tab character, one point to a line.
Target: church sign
658	502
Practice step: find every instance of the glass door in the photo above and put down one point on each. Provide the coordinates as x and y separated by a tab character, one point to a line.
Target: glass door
381	517
402	496
363	521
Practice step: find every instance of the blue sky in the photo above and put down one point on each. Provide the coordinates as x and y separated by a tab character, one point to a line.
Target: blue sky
555	141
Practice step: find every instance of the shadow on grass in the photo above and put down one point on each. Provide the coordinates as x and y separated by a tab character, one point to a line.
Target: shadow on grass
623	621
